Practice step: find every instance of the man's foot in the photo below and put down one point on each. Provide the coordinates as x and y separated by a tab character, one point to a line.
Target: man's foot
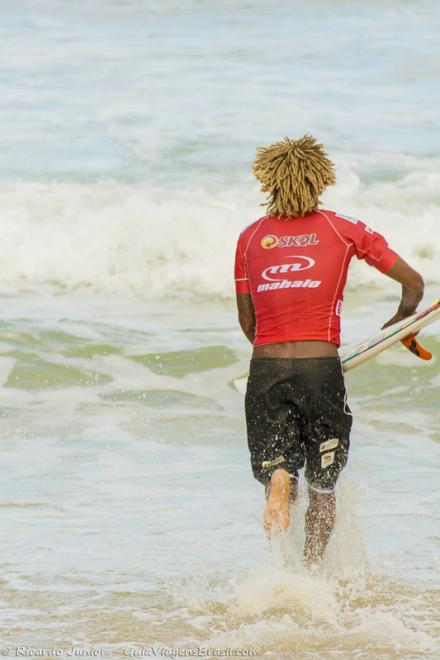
276	514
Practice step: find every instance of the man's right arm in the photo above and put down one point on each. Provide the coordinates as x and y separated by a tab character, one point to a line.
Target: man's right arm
412	289
246	315
246	311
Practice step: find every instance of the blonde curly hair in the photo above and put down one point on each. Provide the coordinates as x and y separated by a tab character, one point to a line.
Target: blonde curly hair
294	173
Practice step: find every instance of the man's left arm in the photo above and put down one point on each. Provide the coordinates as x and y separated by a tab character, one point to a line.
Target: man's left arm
373	248
246	315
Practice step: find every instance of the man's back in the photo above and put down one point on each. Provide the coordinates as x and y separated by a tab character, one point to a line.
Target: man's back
296	269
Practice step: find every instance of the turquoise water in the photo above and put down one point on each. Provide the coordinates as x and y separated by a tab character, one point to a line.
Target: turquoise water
130	518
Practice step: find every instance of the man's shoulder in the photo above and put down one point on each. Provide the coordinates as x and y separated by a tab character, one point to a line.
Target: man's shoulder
247	231
253	225
340	218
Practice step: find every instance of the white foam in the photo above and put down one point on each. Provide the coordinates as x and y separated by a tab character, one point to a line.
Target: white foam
157	242
274	589
279	606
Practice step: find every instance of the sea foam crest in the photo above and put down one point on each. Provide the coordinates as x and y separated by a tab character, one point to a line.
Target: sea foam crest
111	237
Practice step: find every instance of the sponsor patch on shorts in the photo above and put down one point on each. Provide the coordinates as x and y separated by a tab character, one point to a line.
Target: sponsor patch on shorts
332	443
327	459
276	461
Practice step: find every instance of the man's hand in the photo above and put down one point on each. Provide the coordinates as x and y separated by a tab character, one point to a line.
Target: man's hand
412	289
246	315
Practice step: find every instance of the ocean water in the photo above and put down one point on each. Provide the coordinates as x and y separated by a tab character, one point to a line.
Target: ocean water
130	520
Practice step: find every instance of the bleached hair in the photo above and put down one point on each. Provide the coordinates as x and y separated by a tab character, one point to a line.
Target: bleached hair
293	173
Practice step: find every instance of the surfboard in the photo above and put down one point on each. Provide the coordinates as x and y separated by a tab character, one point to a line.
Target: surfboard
355	354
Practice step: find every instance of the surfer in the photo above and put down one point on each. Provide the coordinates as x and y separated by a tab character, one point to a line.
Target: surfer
290	272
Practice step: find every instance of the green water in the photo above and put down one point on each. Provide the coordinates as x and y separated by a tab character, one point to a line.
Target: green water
130	516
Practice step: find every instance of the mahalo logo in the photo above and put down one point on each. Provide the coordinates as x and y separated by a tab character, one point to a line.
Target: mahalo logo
269	242
279	272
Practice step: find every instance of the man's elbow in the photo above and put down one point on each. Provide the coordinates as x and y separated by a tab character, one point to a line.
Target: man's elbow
412	282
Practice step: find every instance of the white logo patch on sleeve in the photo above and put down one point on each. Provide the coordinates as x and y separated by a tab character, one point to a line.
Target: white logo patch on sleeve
349	218
327	459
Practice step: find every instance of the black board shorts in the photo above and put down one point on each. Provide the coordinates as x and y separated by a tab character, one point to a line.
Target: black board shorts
296	415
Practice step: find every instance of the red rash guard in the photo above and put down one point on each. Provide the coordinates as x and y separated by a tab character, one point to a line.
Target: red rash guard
295	271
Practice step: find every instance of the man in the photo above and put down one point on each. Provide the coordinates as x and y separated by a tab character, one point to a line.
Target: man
290	271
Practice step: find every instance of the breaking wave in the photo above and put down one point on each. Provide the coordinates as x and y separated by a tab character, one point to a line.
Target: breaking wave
112	237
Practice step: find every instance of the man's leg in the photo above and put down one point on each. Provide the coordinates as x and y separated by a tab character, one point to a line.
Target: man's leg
320	518
326	436
283	489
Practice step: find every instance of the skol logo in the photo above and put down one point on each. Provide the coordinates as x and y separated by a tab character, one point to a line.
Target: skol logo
269	242
301	240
